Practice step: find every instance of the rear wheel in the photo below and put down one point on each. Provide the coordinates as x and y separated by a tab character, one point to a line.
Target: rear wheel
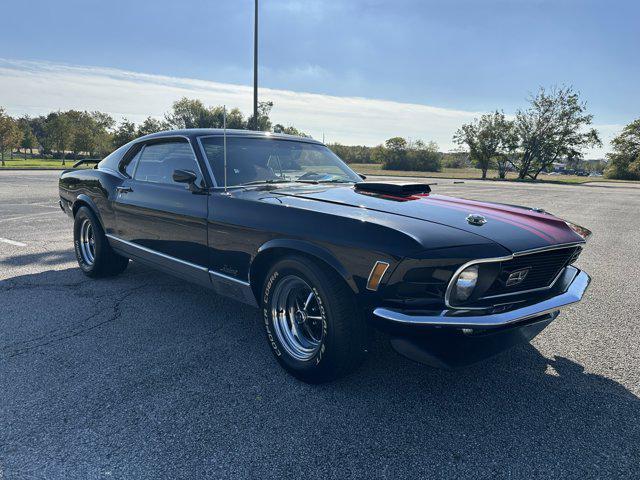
95	256
313	325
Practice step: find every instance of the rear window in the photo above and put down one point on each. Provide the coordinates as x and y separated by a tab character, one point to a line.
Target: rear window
112	161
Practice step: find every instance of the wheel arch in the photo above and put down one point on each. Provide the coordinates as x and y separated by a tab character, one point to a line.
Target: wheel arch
275	249
84	200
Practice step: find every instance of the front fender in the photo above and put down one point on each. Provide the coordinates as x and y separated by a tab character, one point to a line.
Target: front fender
308	248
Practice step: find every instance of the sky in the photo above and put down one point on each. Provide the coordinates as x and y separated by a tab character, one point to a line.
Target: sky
359	71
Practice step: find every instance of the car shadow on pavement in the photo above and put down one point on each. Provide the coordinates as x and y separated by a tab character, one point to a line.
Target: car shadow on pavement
48	258
144	375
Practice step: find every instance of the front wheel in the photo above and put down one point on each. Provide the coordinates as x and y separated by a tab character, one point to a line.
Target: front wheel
313	325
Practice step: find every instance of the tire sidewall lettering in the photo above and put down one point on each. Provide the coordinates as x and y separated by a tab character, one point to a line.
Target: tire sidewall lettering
266	316
267	320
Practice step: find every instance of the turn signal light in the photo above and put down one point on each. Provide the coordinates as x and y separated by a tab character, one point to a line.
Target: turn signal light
377	272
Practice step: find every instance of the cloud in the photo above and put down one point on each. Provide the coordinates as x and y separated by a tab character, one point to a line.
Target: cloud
35	88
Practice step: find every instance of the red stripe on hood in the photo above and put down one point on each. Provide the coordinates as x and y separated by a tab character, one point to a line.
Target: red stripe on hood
492	213
545	223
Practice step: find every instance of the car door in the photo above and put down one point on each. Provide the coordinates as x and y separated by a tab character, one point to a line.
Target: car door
160	220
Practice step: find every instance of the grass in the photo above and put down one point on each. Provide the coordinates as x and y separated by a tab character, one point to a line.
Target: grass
18	162
475	174
364	168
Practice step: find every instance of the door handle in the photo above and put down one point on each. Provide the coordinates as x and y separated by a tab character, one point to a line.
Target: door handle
124	189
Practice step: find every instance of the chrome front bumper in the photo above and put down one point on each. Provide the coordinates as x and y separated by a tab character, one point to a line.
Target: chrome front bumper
468	319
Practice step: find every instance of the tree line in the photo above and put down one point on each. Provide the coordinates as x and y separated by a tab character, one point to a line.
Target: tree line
554	127
80	134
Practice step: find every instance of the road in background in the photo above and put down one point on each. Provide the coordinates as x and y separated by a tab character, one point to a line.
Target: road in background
146	376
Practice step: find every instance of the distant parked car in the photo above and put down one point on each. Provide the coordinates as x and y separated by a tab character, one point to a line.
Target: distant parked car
281	223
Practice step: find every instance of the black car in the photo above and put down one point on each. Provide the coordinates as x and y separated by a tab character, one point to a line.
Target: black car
281	223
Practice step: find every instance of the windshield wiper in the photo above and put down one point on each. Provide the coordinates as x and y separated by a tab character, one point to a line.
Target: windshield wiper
259	182
336	180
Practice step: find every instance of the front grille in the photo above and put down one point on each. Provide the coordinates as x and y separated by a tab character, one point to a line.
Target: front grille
541	269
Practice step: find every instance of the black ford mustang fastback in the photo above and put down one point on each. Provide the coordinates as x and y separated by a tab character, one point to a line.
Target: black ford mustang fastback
286	226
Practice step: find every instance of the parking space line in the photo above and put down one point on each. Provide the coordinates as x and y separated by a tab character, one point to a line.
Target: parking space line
21	217
12	242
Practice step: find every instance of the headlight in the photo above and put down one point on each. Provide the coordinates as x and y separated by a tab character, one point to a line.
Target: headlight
466	282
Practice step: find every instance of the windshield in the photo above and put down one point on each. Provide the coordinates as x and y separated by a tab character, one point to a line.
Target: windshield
256	160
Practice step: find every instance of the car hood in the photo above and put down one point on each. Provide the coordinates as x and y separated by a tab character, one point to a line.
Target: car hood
515	228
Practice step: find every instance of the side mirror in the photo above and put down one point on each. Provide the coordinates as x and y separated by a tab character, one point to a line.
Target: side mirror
364	177
184	176
188	177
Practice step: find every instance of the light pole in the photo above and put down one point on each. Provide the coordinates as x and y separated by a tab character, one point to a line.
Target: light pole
255	67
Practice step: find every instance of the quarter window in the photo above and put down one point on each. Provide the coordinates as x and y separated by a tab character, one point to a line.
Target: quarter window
130	167
158	161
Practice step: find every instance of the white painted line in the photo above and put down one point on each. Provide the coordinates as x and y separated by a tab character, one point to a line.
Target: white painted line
27	216
12	242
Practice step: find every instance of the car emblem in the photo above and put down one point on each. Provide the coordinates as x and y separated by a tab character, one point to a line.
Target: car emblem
517	277
476	219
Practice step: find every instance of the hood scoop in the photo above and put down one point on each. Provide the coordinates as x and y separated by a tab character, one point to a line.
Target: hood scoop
400	189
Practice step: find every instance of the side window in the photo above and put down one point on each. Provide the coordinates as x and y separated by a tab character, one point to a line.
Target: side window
130	167
158	161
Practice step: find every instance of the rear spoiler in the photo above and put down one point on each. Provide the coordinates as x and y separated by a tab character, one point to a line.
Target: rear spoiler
402	189
87	161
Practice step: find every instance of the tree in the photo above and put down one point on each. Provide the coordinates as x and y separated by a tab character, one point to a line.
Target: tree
394	154
424	157
263	122
10	134
552	128
290	130
83	133
101	123
485	138
190	113
624	160
59	132
37	125
400	154
124	133
351	153
28	138
149	126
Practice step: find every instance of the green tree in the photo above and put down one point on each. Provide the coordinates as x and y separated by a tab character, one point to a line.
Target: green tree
624	160
351	153
235	119
264	122
60	132
124	133
149	126
424	157
394	154
10	134
485	138
37	125
28	138
190	113
553	127
101	124
290	130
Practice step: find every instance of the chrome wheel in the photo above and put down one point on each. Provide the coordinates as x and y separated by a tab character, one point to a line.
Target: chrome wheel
297	318
87	242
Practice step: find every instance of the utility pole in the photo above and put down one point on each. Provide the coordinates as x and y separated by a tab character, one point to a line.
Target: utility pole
255	67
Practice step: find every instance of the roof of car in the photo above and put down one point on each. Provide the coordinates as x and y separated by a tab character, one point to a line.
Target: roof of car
201	132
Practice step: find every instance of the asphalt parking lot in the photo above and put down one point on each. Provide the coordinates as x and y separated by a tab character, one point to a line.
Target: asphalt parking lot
145	376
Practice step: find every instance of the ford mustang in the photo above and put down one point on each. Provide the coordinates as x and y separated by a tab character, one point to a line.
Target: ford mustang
281	223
